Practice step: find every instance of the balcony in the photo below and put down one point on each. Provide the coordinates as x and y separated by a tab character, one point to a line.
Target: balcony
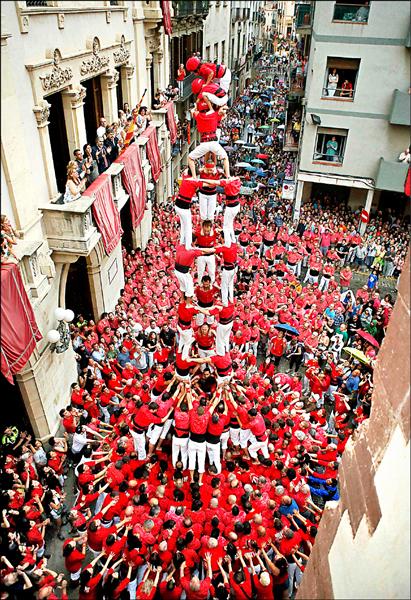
186	91
400	109
184	8
303	16
391	176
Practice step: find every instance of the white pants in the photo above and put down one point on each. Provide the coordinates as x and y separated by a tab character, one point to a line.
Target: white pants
293	268
196	450
225	80
204	262
214	455
324	283
179	445
215	99
186	226
186	283
230	214
244	437
202	149
255	446
312	279
185	339
201	318
207	205
139	440
153	433
165	429
227	285
225	379
222	342
235	435
224	439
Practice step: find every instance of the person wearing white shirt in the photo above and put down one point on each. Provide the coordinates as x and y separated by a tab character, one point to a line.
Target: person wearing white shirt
152	327
101	130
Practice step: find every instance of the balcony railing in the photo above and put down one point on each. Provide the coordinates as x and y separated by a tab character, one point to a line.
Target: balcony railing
340	93
352	13
185	88
186	8
336	159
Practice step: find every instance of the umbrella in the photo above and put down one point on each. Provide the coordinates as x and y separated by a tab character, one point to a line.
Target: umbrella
239	142
257	161
250	168
265	96
250	184
281	127
260	172
265	127
367	336
250	146
358	354
275	120
267	103
242	164
261	155
287	328
223	142
229	148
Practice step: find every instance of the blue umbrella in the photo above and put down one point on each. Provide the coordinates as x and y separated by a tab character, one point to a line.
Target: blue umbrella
251	168
260	172
258	161
223	142
287	328
267	103
264	96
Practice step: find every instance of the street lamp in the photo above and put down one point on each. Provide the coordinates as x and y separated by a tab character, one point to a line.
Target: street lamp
150	190
60	338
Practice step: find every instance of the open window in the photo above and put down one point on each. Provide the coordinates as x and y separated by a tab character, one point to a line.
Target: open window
351	12
330	145
341	78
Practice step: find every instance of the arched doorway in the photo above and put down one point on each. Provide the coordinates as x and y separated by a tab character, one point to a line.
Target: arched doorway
78	295
15	412
125	217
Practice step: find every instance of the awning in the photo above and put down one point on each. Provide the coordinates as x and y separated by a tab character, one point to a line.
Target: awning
105	212
171	122
19	331
133	179
391	176
400	109
153	151
165	7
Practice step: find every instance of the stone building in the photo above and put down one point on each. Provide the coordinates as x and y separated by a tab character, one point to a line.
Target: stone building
65	65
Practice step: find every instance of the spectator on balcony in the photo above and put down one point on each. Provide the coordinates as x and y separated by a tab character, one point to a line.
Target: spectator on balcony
111	145
181	75
157	103
74	185
126	109
332	149
346	89
333	78
100	155
90	164
79	160
405	157
143	120
101	130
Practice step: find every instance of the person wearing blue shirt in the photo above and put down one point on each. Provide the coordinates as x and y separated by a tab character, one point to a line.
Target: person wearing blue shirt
123	356
328	489
372	280
352	383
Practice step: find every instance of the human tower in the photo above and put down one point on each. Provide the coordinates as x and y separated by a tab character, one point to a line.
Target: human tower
202	304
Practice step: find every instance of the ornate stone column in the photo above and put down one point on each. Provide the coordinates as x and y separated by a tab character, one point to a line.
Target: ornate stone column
42	113
149	62
129	89
108	89
73	102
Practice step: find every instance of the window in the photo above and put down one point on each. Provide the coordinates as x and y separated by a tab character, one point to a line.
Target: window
37	3
207	53
215	57
330	145
223	51
351	12
341	78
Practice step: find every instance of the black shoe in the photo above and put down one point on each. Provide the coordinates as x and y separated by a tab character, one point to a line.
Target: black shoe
46	555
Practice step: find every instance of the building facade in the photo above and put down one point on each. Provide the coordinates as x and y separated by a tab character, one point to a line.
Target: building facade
353	127
65	65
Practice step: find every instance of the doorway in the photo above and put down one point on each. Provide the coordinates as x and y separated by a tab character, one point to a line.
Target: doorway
330	195
119	90
58	140
16	413
78	295
93	107
126	226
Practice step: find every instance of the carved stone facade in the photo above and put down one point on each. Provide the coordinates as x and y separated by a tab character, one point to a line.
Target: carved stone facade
95	63
122	55
58	77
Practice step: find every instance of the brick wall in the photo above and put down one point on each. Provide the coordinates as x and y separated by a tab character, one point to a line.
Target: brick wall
360	499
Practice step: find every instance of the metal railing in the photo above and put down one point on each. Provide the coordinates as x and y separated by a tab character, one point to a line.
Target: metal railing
336	158
185	8
303	16
354	13
338	93
184	87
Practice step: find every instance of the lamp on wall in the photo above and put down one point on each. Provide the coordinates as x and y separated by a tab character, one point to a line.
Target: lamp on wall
150	191
315	119
60	338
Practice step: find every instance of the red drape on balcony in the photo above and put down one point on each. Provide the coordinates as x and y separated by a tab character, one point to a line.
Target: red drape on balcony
153	152
171	121
105	212
407	184
165	7
19	331
133	180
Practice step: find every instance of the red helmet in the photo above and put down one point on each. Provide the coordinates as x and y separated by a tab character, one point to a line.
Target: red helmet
192	63
196	85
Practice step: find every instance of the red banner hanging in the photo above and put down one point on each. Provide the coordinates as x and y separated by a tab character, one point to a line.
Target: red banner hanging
165	7
407	184
171	121
105	212
19	331
134	182
153	152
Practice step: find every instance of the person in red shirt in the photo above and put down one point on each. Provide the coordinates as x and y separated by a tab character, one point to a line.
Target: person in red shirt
205	238
193	587
232	207
199	419
212	91
228	270
73	559
207	194
186	312
205	293
224	327
328	272
210	72
188	188
184	261
207	123
277	347
90	582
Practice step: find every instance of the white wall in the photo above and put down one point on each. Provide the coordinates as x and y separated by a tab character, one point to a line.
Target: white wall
363	568
217	29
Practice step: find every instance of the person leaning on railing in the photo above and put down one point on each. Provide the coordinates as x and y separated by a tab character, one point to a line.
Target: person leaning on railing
74	185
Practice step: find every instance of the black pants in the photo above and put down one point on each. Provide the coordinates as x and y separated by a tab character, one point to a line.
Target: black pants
296	361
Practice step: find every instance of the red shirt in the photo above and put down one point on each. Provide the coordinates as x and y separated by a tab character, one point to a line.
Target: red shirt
229	254
205	241
202	593
186	258
205	297
207	122
188	188
199	423
223	364
185	315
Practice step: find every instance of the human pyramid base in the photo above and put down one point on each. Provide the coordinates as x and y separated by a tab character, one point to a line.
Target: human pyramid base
200	473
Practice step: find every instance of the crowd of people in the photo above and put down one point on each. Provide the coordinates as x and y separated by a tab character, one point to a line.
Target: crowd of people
214	402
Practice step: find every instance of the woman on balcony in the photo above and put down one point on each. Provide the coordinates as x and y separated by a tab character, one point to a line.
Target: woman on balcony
74	185
333	78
